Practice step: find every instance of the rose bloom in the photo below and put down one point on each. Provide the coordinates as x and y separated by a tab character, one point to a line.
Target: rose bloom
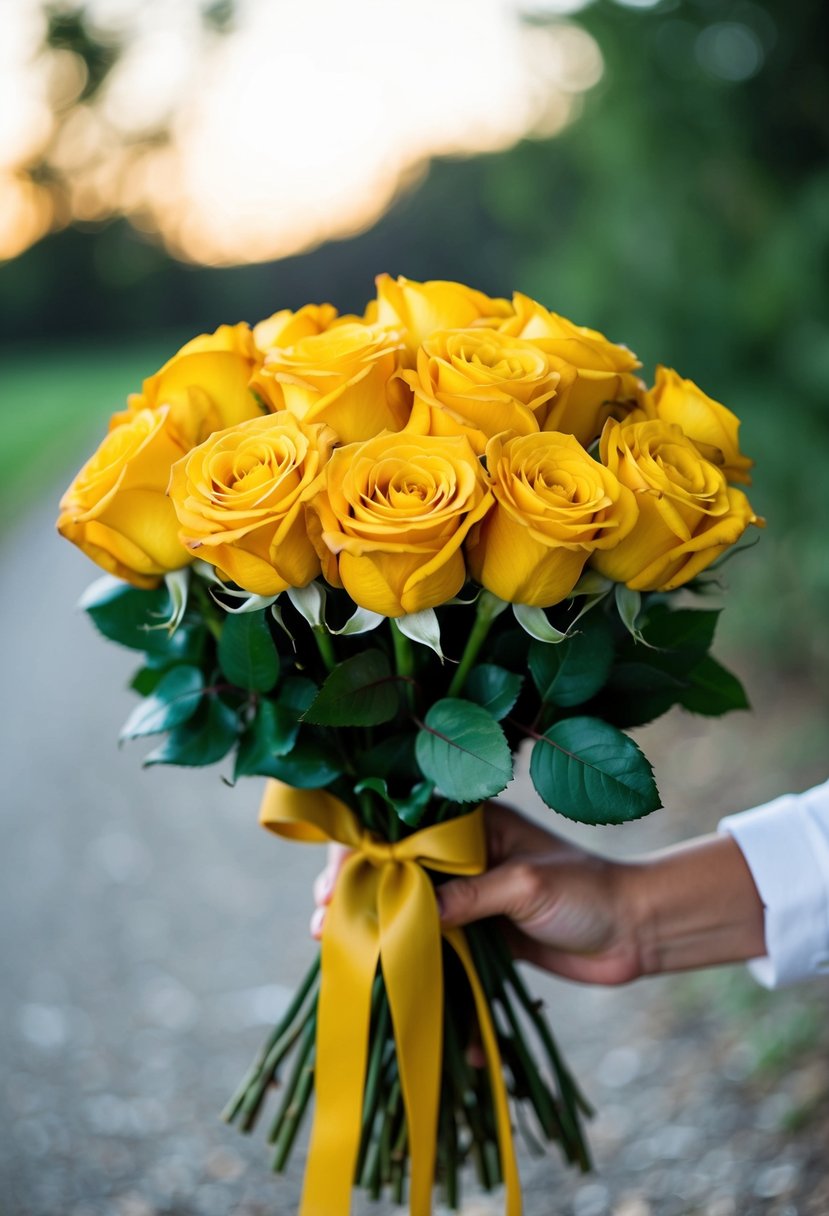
391	520
688	514
601	381
419	309
712	427
240	501
478	382
555	506
344	377
286	328
206	385
117	511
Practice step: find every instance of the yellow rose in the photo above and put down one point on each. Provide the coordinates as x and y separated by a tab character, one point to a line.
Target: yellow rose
285	328
116	510
554	507
236	339
688	514
712	427
206	385
422	308
477	382
240	500
344	377
393	516
600	379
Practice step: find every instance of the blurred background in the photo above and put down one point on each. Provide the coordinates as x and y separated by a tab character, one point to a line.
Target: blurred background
656	170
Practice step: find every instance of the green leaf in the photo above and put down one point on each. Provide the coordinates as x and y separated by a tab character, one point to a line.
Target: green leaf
411	808
309	765
638	692
393	758
713	690
464	751
361	691
185	646
175	698
130	615
495	688
208	736
247	655
683	629
147	679
574	670
589	771
274	728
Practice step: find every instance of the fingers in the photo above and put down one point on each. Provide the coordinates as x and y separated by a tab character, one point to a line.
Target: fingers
324	885
609	967
508	833
513	889
326	880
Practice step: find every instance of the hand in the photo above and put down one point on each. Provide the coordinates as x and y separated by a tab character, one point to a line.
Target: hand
598	921
324	885
587	918
563	901
569	909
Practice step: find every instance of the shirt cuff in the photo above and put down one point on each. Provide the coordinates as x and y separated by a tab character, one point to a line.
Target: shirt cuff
786	846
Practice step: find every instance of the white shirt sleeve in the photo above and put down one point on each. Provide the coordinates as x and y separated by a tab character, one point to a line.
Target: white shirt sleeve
786	846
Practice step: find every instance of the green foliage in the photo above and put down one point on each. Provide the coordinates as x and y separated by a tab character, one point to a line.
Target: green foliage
393	757
247	655
174	699
571	672
713	690
463	750
589	771
493	687
686	630
360	691
311	764
146	679
670	666
638	692
410	808
274	728
206	738
131	617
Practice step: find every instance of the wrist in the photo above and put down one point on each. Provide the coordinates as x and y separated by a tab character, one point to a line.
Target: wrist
634	883
694	905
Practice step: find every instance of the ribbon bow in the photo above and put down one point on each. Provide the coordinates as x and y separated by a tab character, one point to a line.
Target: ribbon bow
384	909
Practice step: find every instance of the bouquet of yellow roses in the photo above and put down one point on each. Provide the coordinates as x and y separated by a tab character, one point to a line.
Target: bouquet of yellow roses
369	558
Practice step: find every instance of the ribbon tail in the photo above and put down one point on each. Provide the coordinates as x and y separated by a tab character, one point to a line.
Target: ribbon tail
350	951
412	961
489	1041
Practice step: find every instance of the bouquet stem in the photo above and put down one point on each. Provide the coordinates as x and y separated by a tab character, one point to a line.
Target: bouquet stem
545	1110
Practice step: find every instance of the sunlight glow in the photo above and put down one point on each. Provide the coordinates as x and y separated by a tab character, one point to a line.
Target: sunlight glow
300	125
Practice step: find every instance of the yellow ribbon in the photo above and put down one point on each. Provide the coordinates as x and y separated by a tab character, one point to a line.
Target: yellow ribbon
384	909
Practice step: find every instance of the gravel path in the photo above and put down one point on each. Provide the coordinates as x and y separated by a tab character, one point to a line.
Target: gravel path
152	931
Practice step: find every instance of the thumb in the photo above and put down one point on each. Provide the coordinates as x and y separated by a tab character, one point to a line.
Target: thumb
508	890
